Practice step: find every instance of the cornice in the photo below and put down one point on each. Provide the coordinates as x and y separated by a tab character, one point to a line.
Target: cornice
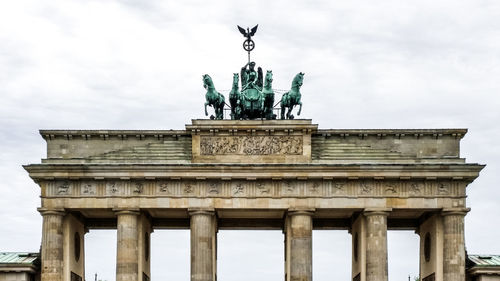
398	133
465	172
105	134
50	134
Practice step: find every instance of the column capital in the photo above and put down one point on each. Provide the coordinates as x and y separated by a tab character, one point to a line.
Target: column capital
455	211
301	211
56	211
126	211
201	211
377	211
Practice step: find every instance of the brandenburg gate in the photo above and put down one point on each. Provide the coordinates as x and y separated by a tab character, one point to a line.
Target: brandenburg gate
245	174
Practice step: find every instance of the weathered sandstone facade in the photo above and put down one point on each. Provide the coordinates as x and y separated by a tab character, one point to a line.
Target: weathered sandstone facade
281	174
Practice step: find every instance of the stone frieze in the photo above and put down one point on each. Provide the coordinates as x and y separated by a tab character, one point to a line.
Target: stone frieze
251	145
254	188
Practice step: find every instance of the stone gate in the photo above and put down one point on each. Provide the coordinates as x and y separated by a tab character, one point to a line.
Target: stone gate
278	174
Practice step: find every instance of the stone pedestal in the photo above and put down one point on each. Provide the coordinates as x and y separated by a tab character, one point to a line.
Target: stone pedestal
52	245
299	237
376	245
127	259
454	244
202	245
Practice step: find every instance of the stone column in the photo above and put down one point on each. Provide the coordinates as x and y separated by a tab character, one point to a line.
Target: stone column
376	244
300	245
127	256
202	246
52	245
454	244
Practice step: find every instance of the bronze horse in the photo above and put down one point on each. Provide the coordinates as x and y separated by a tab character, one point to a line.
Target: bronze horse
292	98
213	98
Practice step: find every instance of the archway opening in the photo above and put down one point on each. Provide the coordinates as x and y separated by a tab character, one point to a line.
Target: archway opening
331	255
100	255
170	254
249	255
403	250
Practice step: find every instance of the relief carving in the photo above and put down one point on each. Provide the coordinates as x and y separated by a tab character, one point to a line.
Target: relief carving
112	187
443	188
315	188
263	189
238	189
366	188
88	188
188	188
164	188
63	187
339	187
138	188
289	187
214	188
415	188
251	145
390	188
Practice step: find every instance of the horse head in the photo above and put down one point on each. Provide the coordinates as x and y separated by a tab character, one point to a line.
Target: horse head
298	80
236	78
207	81
269	78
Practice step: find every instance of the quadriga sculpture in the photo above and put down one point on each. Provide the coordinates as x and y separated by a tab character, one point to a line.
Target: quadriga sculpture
213	98
256	98
292	98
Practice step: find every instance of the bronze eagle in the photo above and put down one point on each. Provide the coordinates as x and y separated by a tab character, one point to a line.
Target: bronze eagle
249	32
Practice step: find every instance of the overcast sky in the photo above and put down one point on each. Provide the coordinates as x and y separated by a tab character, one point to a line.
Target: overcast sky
72	64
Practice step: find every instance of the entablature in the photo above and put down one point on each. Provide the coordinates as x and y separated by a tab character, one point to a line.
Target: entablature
466	172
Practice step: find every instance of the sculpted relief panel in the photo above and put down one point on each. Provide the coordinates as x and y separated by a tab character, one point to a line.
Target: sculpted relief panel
251	145
88	188
287	188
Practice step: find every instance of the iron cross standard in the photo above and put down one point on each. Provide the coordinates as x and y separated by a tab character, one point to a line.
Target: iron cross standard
248	44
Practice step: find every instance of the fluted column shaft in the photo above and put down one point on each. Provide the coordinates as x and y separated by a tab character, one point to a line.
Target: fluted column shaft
300	245
202	235
376	245
52	245
127	256
454	244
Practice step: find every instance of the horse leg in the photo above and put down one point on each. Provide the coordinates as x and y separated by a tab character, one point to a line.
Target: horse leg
206	112
220	106
268	108
300	108
282	112
220	112
289	113
231	102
